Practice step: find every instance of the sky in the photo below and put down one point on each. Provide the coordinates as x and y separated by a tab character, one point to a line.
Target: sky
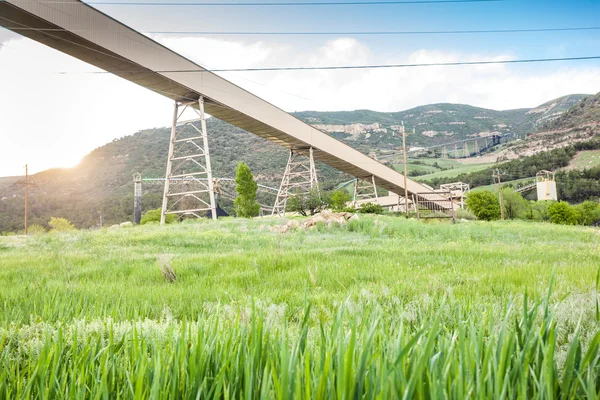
53	111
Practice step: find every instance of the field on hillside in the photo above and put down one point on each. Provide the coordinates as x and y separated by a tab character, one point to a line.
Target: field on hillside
429	168
381	306
585	159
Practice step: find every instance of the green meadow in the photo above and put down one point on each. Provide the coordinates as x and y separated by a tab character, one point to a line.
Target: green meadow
380	307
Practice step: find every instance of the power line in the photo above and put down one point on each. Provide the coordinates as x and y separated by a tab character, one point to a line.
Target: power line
459	32
331	33
373	66
295	3
377	66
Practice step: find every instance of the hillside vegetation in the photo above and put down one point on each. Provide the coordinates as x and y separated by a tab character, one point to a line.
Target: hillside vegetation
230	309
580	123
587	111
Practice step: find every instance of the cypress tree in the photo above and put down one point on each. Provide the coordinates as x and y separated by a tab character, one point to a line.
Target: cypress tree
245	203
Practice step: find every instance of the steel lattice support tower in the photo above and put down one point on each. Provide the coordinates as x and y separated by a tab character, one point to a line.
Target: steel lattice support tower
189	186
299	178
364	189
466	149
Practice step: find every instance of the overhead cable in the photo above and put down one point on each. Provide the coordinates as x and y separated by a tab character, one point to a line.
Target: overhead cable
373	66
333	33
280	3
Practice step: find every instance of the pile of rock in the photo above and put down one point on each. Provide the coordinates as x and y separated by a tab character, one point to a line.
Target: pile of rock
324	217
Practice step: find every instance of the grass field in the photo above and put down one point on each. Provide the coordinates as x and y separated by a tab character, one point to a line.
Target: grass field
380	307
464	169
438	167
585	159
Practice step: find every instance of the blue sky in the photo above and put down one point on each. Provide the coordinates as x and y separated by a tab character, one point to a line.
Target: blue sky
509	14
71	101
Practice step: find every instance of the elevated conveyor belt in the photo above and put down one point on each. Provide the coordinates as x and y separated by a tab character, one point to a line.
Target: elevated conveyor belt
83	32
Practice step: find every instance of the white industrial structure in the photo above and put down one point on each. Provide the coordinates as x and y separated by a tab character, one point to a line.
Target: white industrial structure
546	185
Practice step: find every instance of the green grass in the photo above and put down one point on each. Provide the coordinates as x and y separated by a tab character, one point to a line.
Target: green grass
586	159
463	169
515	183
381	307
438	167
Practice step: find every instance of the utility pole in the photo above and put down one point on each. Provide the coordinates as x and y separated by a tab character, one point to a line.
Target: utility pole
405	187
498	175
26	194
137	198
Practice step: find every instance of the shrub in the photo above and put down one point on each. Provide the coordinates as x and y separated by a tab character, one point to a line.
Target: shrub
35	229
339	199
305	204
484	204
464	214
370	208
589	212
563	213
515	206
154	216
538	210
245	202
60	225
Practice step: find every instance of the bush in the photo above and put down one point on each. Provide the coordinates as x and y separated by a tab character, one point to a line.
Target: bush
563	213
339	199
35	229
515	206
60	225
154	216
484	204
370	208
538	210
464	214
589	212
305	204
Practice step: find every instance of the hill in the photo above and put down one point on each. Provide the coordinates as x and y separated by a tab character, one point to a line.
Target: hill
579	123
433	124
102	182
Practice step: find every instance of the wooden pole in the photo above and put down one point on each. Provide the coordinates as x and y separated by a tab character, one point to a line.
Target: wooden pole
499	176
405	186
26	195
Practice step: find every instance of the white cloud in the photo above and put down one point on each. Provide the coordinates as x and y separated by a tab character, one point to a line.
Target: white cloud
49	120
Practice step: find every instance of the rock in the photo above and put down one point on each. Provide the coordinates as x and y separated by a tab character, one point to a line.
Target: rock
354	217
113	227
317	218
126	224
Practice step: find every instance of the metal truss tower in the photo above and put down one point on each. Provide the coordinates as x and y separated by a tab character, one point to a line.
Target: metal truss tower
300	177
364	189
189	187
